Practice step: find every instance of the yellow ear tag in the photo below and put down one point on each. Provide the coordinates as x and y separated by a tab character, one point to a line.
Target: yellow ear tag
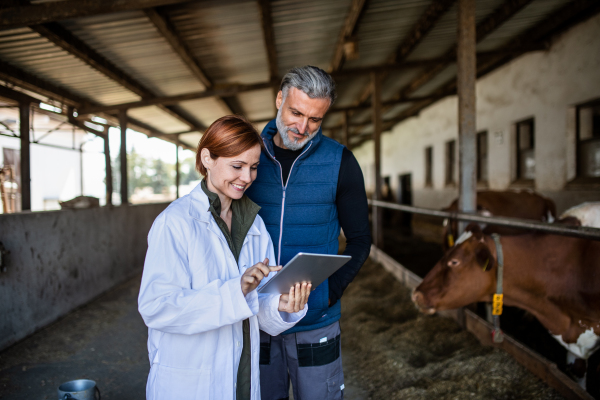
497	304
486	264
451	240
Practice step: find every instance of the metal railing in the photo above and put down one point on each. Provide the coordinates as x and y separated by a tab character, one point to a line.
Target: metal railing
557	229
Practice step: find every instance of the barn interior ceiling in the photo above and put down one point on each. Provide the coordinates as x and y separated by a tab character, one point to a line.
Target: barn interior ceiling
175	66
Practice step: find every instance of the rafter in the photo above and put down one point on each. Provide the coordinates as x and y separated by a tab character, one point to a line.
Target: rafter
357	10
24	15
266	19
167	30
70	43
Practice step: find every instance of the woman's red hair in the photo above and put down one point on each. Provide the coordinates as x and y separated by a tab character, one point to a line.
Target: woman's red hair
229	136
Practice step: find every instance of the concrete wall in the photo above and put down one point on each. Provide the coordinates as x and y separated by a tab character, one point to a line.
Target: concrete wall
60	260
543	85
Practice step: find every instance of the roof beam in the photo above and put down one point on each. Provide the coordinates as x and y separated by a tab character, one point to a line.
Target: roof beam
386	68
266	19
390	103
61	37
357	10
20	97
19	77
25	15
167	30
234	89
218	90
426	22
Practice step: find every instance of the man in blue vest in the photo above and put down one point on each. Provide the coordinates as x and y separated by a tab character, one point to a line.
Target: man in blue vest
309	186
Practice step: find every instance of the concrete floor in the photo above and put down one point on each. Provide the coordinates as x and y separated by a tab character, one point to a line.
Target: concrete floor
104	341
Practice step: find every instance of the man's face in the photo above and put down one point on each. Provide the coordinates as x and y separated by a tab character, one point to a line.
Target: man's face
298	118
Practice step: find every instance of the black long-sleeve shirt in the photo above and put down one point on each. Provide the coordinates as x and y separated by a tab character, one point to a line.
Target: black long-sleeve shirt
353	214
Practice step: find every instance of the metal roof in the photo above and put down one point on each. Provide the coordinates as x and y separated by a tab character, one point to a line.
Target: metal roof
105	58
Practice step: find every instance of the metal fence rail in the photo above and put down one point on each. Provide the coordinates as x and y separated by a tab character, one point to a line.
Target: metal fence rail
557	229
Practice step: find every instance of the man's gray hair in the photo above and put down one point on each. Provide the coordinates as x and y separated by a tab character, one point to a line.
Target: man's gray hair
316	83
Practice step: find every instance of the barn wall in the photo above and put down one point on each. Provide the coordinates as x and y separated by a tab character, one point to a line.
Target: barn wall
60	260
544	85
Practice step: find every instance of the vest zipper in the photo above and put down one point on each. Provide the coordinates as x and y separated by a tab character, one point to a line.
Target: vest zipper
283	198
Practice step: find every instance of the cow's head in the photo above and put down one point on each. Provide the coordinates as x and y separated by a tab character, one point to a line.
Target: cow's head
461	277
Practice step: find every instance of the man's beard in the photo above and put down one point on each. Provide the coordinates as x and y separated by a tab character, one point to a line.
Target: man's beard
292	144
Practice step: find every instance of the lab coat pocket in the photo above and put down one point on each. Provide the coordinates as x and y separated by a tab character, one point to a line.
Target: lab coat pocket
182	383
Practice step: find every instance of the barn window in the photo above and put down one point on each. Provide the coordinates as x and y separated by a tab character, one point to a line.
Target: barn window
450	162
588	140
429	166
526	150
482	157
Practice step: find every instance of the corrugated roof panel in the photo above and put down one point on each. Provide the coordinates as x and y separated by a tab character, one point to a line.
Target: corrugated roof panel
36	55
396	81
306	32
191	139
349	89
443	36
206	110
528	17
258	105
226	38
158	119
442	78
130	41
395	110
382	29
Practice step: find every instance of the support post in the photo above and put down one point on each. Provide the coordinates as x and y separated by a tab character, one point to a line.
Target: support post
24	128
81	168
108	168
177	176
123	156
466	60
377	124
345	128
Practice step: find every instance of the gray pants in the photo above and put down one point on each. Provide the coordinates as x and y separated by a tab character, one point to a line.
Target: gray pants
311	359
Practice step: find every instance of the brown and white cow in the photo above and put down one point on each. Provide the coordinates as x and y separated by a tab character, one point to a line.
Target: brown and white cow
555	278
511	203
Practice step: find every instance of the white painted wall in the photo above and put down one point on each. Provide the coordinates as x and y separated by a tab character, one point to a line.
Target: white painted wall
543	85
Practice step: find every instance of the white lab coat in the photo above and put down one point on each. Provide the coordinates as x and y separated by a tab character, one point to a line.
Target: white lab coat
192	302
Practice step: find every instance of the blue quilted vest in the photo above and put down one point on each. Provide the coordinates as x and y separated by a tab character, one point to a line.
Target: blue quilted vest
302	216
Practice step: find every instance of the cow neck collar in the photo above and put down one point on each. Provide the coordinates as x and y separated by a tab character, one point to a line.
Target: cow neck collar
497	303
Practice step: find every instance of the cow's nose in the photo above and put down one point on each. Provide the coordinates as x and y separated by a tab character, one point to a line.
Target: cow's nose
417	298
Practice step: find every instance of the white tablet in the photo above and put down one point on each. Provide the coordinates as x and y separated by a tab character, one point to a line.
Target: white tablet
304	267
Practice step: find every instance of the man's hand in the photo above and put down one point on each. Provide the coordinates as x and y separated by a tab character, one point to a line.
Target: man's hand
296	299
253	275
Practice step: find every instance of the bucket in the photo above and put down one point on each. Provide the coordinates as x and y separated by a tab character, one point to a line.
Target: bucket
79	389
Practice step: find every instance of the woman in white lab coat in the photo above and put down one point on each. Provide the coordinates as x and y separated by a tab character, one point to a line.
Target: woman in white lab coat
201	305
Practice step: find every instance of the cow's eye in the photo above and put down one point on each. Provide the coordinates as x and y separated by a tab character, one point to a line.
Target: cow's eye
453	263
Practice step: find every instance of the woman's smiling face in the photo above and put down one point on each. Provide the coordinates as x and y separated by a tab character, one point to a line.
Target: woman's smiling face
231	176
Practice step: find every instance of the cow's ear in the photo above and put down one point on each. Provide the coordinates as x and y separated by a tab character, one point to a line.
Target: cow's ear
484	257
475	229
